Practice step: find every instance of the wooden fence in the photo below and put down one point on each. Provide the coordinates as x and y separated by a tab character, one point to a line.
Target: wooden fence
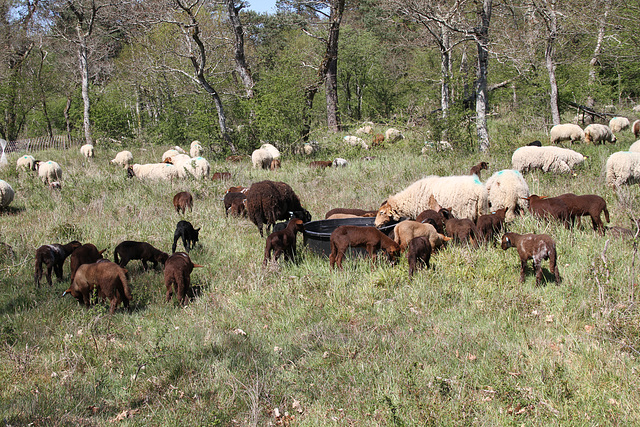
32	145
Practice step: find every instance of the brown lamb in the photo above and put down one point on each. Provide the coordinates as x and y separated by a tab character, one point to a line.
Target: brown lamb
320	164
177	273
587	204
235	204
551	207
107	278
434	217
85	254
369	238
475	170
462	230
536	247
489	226
419	253
143	251
407	230
356	212
283	242
377	140
221	176
182	201
53	257
275	164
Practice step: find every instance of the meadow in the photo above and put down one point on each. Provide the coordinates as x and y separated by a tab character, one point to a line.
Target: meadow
462	343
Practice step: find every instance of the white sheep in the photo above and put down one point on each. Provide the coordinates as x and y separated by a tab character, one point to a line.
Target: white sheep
355	141
635	147
464	195
6	194
155	171
623	167
275	154
549	159
123	158
179	150
49	172
340	162
364	130
261	158
598	133
618	124
393	135
170	154
437	146
196	149
565	132
87	150
507	189
201	167
26	162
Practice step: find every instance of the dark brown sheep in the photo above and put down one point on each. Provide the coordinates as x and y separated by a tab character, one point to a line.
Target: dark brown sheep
435	218
177	273
283	242
551	207
536	247
489	226
270	201
53	257
320	164
85	254
238	189
419	253
475	170
107	278
462	230
221	176
635	128
143	251
234	199
182	201
587	204
369	238
357	212
188	234
377	140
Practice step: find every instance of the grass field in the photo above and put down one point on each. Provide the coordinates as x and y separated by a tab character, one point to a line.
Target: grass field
463	343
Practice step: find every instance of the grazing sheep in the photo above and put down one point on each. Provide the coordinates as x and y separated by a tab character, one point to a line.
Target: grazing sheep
550	208
154	171
536	247
377	140
586	204
236	199
490	225
475	170
170	154
464	195
598	133
143	251
623	167
196	149
393	135
367	129
87	150
275	164
407	230
340	162
353	236
617	124
261	158
462	230
321	164
107	278
188	234
53	257
434	217
199	167
549	159
25	163
177	272
269	202
508	189
355	141
85	254
419	252
275	153
123	158
635	128
283	242
49	171
55	185
566	131
182	201
6	194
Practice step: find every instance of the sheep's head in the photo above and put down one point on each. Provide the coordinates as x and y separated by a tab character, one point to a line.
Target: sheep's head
130	172
386	213
506	242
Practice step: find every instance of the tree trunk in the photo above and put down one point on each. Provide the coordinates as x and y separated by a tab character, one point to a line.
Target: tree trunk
84	74
549	56
445	70
241	62
596	54
309	94
67	108
482	41
329	69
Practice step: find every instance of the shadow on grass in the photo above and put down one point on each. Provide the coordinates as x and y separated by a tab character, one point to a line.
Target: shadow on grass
11	210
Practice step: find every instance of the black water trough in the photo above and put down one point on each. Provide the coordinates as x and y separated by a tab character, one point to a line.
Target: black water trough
317	234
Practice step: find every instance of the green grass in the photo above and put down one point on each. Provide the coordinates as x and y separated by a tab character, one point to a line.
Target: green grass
462	343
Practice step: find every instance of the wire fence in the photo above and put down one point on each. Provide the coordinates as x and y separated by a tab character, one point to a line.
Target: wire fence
31	145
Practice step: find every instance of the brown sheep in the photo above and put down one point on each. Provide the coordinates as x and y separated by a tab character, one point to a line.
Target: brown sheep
435	218
177	272
53	257
283	242
407	230
271	201
320	164
462	230
357	212
234	199
85	254
587	204
221	176
143	251
475	170
107	278
238	189
182	201
535	247
489	226
378	139
635	128
419	253
551	207
370	238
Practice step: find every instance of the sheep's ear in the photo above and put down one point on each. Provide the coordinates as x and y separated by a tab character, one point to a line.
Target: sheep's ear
102	251
197	265
506	239
198	229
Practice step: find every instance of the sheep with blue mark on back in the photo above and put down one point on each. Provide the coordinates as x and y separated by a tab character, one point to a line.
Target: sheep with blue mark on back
49	172
507	189
464	195
196	149
596	132
618	124
26	162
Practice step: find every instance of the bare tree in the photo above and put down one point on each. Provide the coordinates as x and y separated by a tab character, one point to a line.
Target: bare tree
241	62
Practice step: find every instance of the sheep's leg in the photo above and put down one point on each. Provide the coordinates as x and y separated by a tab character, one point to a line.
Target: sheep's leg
523	267
57	268
553	266
49	268
175	243
145	267
185	243
537	267
277	252
113	305
37	275
597	224
169	285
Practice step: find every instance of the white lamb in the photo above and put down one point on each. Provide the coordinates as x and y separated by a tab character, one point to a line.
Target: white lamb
464	195
196	149
565	132
155	171
49	172
26	162
87	150
364	130
393	135
261	158
507	189
355	141
623	167
618	124
340	162
275	154
549	159
598	133
123	158
6	194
